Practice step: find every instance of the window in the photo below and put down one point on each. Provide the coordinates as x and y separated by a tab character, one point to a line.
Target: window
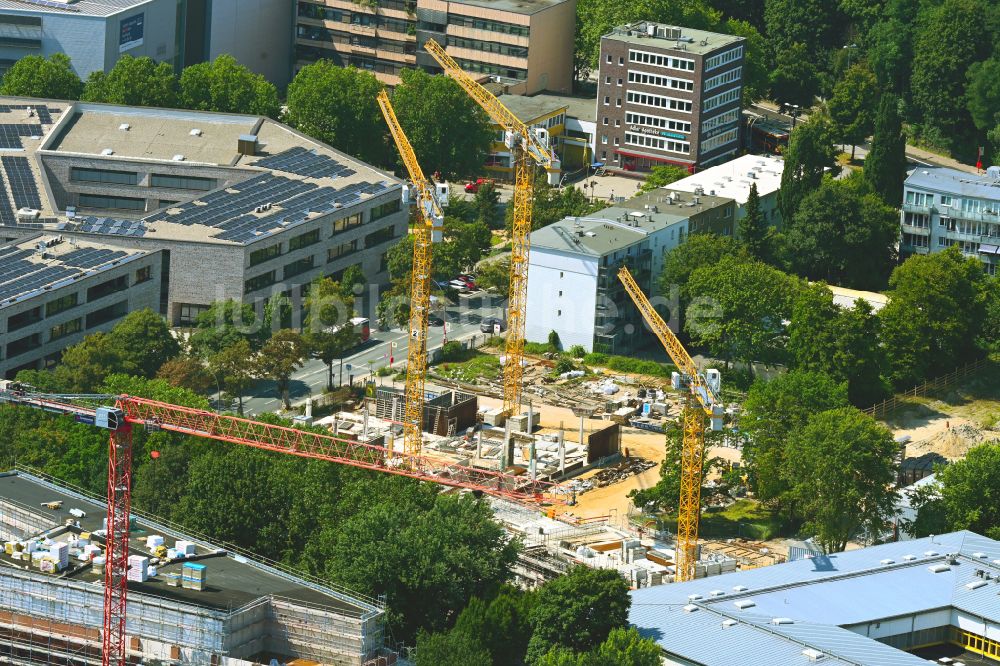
22	319
720	120
725	58
259	282
660	60
484	24
25	344
303	240
618	102
560	294
111	203
620	81
605	120
388	208
107	288
345	223
265	254
299	267
144	274
109	313
560	273
66	328
618	123
182	182
945	200
719	140
660	81
379	237
62	304
923	221
607	100
657	121
647	141
616	141
604	139
730	76
559	313
659	101
604	156
607	80
732	95
609	58
80	175
336	252
189	312
919	198
485	47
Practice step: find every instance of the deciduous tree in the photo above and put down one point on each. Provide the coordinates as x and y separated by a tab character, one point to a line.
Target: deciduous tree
970	491
885	164
36	76
280	356
663	175
841	470
329	333
187	372
455	648
133	82
810	152
852	106
227	86
145	340
233	368
222	324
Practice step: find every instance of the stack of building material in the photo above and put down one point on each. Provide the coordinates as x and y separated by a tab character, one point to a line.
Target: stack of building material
88	552
154	540
98	564
137	568
59	553
193	576
173	579
185	548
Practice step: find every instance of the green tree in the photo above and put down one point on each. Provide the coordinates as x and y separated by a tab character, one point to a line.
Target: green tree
841	469
227	86
794	79
278	314
885	166
698	251
487	206
552	204
85	365
470	241
982	95
280	356
349	283
815	24
843	233
753	230
626	647
889	46
494	275
223	324
502	625
233	368
665	495
455	648
772	412
942	54
931	515
810	152
448	130
737	308
338	106
133	82
841	343
329	333
970	491
935	314
578	611
36	76
145	341
187	372
852	106
663	175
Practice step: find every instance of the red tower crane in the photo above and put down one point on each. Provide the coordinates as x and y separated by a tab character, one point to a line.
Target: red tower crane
128	411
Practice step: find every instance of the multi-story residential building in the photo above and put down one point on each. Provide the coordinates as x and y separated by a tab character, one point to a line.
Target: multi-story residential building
96	33
241	207
944	207
734	180
668	95
573	266
54	291
527	44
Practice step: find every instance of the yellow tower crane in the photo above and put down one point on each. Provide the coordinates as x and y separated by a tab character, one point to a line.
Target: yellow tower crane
424	235
702	399
530	149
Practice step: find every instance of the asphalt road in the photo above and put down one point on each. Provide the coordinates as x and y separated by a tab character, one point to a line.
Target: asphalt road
461	322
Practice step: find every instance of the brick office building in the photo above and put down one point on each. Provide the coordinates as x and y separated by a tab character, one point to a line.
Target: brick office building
668	95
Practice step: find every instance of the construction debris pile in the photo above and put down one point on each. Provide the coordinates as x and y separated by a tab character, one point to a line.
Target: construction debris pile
621	471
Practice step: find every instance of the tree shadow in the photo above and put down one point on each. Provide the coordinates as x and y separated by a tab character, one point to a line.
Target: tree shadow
912	414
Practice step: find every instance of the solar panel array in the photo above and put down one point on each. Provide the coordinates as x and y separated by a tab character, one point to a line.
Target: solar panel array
110	226
304	162
43	112
22	182
10	135
18	276
87	257
7	216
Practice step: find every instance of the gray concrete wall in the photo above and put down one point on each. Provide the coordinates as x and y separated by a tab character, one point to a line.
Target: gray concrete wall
258	33
159	34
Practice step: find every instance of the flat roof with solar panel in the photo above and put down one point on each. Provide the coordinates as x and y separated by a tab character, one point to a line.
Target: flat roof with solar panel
43	263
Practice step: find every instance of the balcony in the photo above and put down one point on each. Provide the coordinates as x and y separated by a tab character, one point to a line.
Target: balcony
959	214
911	229
923	210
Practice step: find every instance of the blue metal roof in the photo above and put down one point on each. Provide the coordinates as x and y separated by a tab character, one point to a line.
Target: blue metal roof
954	182
821	596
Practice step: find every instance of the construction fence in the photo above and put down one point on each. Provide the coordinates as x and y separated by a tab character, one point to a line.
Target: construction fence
881	410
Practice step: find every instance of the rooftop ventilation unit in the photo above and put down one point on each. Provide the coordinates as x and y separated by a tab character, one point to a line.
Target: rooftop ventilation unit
178	158
729	623
909	558
124	127
744	604
782	620
694	597
812	654
716	593
195	132
976	584
740	588
886	561
247	144
938	568
930	553
690	608
107	152
981	556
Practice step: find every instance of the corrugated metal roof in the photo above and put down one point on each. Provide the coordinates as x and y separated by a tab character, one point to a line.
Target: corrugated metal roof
954	182
821	596
102	8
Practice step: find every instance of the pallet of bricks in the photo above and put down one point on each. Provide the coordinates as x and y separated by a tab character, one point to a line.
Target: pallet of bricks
193	576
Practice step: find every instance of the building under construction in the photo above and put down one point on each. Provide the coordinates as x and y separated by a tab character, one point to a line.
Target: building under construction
196	604
445	414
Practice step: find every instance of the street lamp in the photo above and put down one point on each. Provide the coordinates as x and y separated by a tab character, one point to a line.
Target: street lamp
849	48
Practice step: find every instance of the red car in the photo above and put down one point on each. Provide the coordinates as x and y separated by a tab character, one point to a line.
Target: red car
467	280
473	187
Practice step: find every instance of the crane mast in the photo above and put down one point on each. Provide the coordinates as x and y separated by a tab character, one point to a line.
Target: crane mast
528	150
702	400
424	235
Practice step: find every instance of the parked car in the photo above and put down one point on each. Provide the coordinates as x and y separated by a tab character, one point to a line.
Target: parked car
458	285
488	324
469	283
473	186
435	320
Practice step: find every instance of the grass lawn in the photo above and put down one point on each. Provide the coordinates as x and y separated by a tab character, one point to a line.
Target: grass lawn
472	366
744	518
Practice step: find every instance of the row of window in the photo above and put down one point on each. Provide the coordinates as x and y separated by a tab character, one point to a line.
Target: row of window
975	206
659	101
321	13
719	140
724	58
730	76
660	81
730	116
109	177
264	254
496	70
65	329
659	60
731	95
485	24
657	121
489	47
646	141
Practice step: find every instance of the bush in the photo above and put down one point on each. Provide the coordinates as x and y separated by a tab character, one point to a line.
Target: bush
384	371
577	351
564	365
554	341
631	365
537	348
452	351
